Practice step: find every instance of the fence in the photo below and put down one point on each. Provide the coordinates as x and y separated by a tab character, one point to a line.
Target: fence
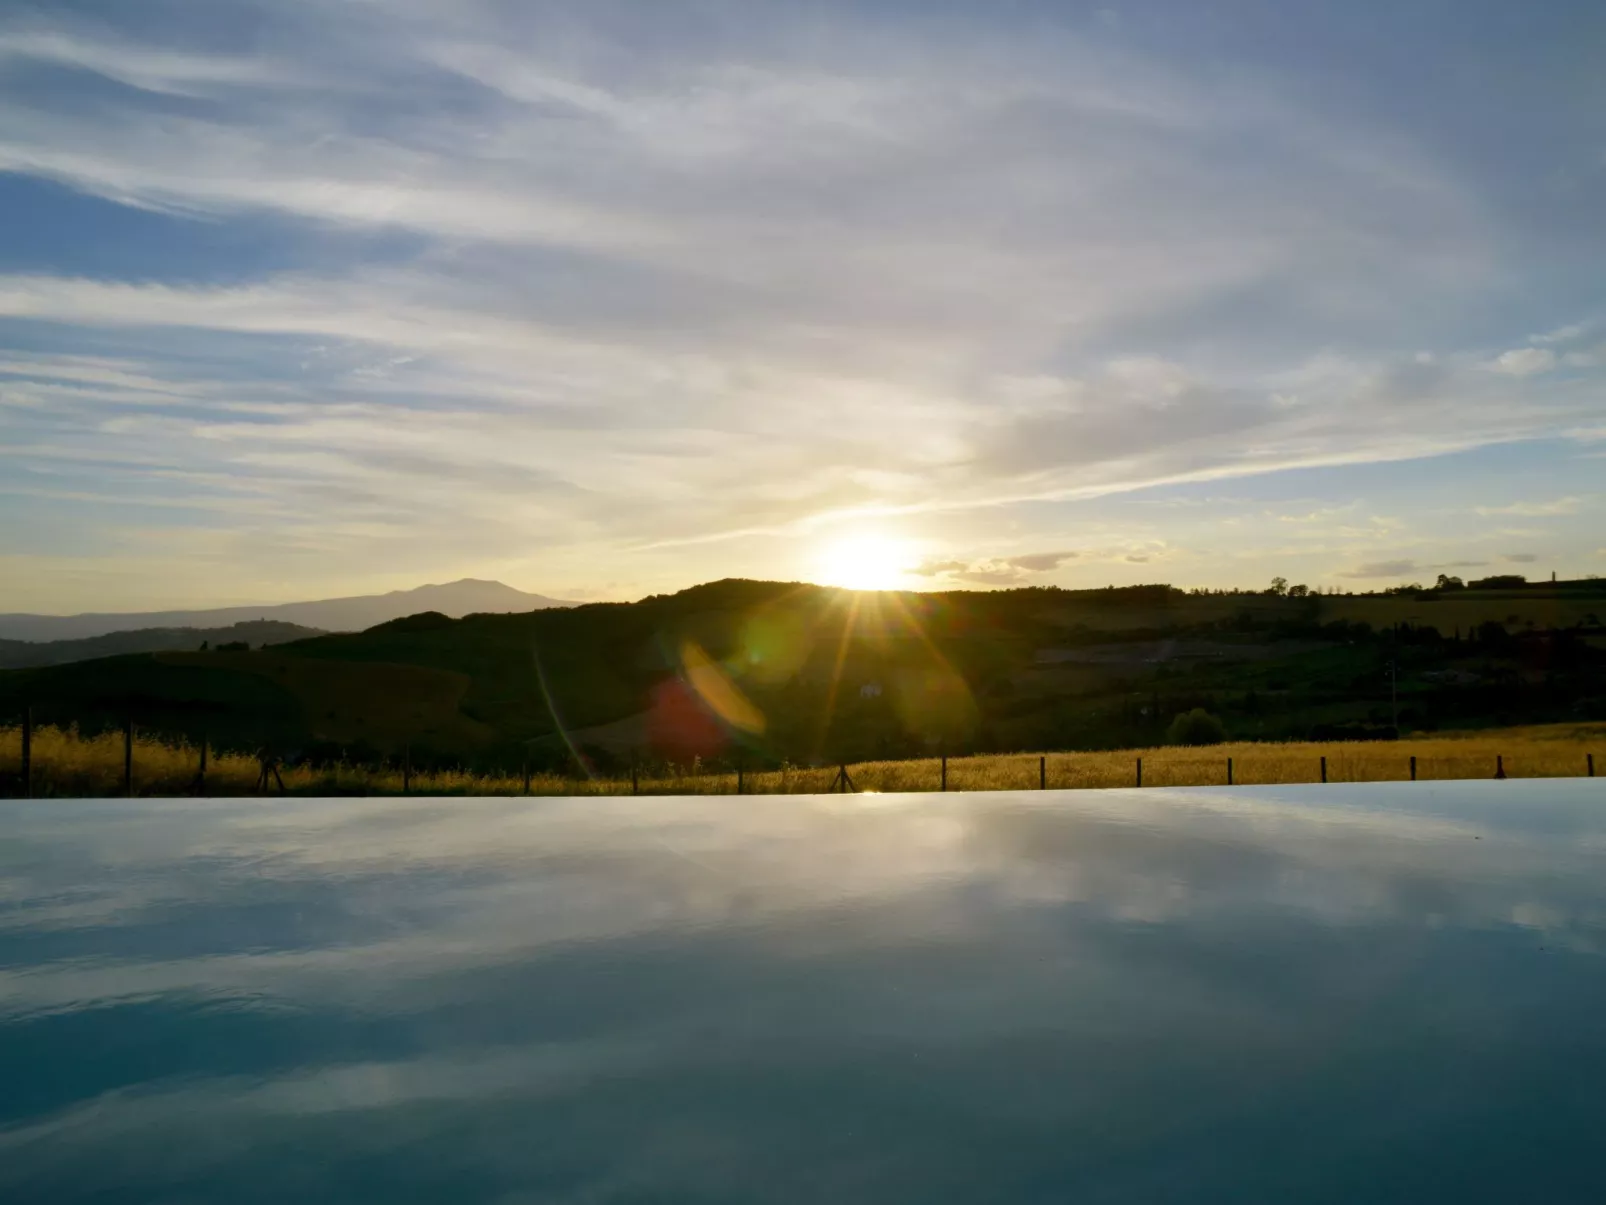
59	762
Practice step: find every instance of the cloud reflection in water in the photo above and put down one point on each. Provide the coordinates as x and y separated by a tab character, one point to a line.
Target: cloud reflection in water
1379	992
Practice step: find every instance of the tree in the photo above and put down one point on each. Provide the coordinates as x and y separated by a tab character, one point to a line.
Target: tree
1446	582
1196	727
1300	591
1279	586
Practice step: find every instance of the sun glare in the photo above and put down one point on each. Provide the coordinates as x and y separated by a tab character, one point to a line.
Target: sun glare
865	562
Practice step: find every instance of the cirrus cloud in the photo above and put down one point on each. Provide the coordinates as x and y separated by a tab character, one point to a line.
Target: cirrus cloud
521	290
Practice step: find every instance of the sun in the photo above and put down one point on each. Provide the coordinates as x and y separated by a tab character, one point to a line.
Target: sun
865	561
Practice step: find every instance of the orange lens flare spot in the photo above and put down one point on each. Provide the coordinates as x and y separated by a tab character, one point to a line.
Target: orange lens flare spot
679	724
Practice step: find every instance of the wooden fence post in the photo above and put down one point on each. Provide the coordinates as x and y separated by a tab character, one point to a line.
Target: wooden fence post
739	790
200	773
526	768
1413	767
635	782
1229	771
1499	765
1140	771
1042	773
407	769
128	756
1590	758
1324	768
27	752
945	771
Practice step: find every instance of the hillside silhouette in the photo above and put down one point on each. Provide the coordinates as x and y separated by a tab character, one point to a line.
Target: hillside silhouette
27	654
772	672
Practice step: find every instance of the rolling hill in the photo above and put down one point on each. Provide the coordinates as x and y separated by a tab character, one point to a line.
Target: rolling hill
26	654
777	672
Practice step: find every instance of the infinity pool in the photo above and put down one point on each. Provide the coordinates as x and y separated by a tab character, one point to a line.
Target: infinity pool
1357	994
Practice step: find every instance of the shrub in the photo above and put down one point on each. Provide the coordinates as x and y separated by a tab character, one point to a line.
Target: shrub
1196	727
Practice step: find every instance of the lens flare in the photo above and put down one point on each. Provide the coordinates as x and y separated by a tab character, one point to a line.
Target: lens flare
773	647
715	688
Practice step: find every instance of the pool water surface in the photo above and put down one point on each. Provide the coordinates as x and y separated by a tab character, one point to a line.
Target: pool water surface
1361	993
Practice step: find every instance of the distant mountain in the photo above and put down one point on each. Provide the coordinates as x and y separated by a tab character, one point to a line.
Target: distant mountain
28	654
466	597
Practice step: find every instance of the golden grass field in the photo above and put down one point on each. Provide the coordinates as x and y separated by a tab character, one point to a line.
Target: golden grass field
66	764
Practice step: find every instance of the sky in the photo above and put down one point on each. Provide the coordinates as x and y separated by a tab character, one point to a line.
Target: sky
307	298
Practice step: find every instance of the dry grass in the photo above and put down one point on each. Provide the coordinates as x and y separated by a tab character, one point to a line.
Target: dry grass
66	764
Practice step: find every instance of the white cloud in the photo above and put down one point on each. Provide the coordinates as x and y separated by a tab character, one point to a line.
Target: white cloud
912	180
152	69
1534	510
1524	361
1564	334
